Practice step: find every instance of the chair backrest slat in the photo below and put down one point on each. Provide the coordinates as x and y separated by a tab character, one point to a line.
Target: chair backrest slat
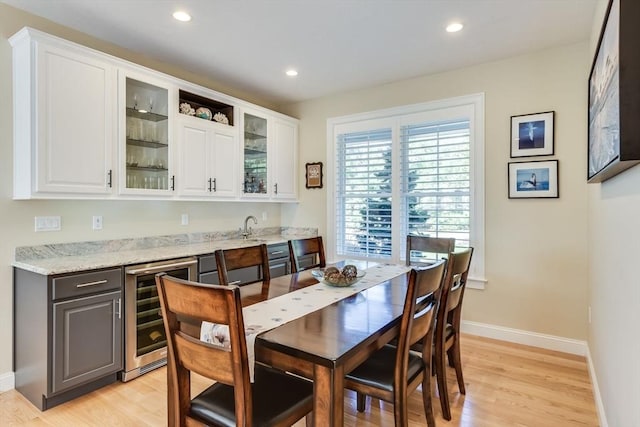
429	245
301	247
235	259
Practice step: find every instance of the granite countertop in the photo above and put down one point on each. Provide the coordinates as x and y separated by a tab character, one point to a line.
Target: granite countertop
81	256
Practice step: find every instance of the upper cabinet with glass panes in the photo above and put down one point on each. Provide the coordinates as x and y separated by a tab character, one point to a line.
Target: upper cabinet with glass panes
146	152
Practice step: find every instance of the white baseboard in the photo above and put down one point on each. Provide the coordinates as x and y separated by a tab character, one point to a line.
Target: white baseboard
602	417
7	381
519	336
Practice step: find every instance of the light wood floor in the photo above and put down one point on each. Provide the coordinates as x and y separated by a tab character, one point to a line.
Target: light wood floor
507	385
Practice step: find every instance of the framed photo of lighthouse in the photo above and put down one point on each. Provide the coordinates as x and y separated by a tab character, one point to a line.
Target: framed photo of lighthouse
533	180
532	134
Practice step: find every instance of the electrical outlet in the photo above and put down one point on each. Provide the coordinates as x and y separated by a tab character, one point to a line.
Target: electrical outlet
97	222
48	223
185	219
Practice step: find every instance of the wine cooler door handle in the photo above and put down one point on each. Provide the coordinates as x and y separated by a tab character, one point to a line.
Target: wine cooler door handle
161	268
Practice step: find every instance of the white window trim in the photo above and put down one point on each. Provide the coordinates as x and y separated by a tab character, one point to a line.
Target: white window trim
477	278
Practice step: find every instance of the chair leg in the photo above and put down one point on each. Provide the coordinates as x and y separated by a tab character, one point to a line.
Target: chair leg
361	401
426	397
454	357
400	410
441	375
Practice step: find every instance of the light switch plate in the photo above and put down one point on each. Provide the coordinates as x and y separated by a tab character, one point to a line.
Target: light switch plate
48	223
184	220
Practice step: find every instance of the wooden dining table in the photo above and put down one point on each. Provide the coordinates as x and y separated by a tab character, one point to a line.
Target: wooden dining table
326	344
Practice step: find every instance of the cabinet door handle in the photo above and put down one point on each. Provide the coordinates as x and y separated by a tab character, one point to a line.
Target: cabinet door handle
173	183
275	186
209	185
235	282
119	312
276	252
214	185
110	178
97	282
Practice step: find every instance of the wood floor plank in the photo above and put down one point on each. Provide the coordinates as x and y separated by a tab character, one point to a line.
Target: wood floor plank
507	385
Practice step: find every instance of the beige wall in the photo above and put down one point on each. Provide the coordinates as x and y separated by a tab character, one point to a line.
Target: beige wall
121	218
614	248
536	256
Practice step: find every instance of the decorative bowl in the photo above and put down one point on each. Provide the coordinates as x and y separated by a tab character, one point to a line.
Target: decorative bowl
341	282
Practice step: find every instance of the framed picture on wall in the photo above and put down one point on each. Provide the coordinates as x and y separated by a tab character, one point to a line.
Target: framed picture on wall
532	134
313	175
532	180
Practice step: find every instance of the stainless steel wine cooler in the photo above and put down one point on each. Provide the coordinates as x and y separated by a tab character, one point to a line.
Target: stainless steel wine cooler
145	339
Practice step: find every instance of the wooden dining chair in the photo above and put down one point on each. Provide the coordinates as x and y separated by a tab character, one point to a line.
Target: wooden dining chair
249	264
447	331
431	248
392	372
304	247
273	399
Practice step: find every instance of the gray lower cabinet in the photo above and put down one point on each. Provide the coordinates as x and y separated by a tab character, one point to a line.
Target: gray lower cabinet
68	334
279	262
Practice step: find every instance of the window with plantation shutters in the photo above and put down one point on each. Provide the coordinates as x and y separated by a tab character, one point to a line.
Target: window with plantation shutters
436	180
417	169
364	193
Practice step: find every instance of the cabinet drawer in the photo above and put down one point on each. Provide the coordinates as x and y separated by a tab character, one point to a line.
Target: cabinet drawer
86	283
207	264
279	250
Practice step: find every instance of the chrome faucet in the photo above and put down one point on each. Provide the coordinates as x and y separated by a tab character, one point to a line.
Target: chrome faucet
247	230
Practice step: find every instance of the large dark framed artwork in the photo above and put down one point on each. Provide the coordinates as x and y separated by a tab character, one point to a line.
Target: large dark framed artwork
614	94
532	134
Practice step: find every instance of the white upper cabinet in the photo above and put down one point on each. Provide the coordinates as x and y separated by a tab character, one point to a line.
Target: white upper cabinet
285	159
64	120
208	158
88	125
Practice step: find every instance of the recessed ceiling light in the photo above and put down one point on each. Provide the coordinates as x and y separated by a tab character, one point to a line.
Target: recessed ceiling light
182	16
454	27
292	73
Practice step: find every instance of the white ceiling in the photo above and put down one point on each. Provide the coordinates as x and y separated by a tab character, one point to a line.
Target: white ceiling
336	45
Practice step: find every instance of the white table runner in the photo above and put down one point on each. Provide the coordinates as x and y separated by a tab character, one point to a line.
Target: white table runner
272	313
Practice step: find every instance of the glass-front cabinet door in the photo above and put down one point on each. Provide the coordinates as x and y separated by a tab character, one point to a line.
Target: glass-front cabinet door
254	151
148	141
